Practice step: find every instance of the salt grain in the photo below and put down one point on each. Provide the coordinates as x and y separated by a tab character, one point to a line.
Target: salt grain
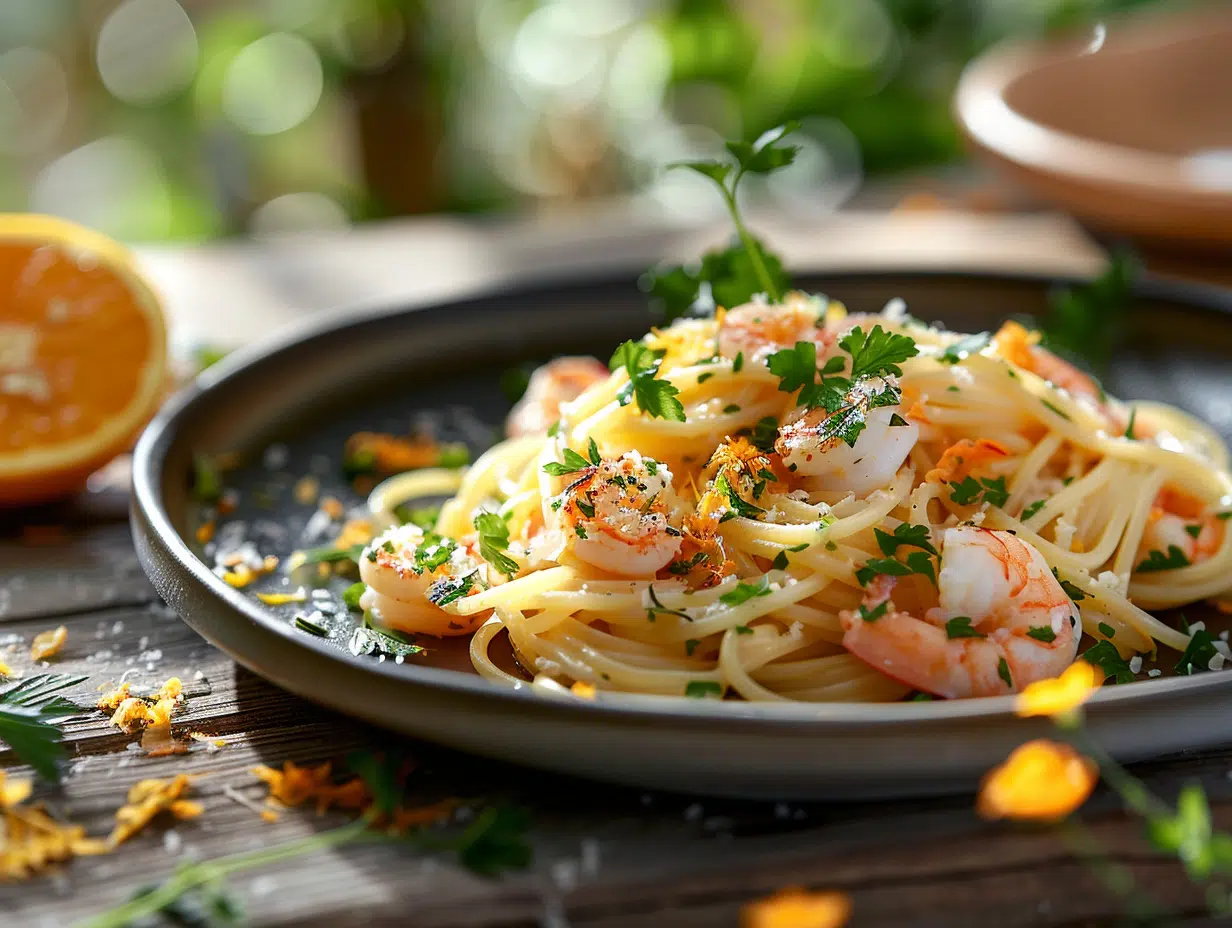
1216	662
1154	672
1135	663
172	841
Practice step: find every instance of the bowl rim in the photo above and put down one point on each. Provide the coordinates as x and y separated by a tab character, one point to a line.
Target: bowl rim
152	522
992	125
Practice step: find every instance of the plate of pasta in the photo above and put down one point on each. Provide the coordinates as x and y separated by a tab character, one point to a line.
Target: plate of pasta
848	536
753	536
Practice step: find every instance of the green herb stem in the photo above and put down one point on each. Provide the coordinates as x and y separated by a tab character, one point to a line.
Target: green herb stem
750	246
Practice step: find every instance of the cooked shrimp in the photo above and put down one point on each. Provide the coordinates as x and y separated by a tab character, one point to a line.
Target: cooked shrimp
614	516
1019	346
553	384
964	457
1182	521
757	330
831	464
1007	591
400	566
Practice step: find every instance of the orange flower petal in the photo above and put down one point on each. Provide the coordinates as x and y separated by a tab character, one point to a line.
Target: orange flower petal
796	908
1040	781
1059	695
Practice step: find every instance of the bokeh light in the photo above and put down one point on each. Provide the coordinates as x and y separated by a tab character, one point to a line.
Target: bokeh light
272	84
146	51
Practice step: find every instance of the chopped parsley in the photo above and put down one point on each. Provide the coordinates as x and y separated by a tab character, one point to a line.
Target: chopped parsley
702	689
897	421
780	561
1032	509
731	408
1193	530
352	594
1105	656
423	516
1158	560
764	433
918	562
680	568
1042	633
659	607
702	378
1106	630
872	615
454	456
207	481
305	624
972	344
1056	409
1198	653
554	429
690	646
971	490
1129	429
738	364
434	551
330	554
656	398
911	535
1075	593
878	353
493	541
574	462
1088	322
796	549
449	589
960	627
738	504
743	630
1003	671
746	591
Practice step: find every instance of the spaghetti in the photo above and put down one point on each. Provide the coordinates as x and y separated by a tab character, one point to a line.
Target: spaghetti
784	502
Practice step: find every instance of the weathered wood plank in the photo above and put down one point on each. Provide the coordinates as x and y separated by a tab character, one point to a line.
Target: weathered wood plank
605	857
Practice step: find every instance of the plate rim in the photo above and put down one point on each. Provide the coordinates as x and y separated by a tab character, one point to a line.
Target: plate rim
152	518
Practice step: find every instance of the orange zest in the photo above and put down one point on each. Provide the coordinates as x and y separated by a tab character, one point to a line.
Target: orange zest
796	908
963	457
1041	781
83	355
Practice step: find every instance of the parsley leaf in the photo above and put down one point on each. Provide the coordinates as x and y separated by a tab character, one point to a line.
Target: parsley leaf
659	607
960	627
1075	593
1198	653
872	615
964	347
878	353
1042	633
352	594
762	156
448	589
1003	671
780	561
1032	509
1106	630
911	535
434	551
654	397
764	434
1157	560
971	490
27	709
1088	322
493	541
739	505
918	562
795	367
701	689
1105	656
746	591
496	841
574	462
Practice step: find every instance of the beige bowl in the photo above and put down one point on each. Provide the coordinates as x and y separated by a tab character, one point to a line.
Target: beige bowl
1128	128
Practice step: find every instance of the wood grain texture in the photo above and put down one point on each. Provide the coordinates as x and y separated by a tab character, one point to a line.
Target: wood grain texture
604	857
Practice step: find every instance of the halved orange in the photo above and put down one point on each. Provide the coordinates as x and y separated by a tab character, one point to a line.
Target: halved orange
83	355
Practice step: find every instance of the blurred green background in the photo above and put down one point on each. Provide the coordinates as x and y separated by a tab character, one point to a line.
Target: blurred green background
192	120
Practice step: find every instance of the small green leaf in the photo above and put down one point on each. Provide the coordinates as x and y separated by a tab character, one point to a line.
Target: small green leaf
702	689
960	627
1158	560
1003	671
746	591
353	593
1105	656
1042	633
961	349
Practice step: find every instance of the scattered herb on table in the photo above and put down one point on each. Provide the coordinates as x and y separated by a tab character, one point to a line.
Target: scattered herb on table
27	710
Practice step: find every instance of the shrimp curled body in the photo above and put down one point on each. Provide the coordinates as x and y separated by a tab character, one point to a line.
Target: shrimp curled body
555	383
1025	626
398	583
613	516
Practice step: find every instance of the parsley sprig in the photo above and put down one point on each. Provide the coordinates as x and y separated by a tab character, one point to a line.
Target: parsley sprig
493	542
654	397
971	490
574	462
1158	560
27	710
735	274
848	398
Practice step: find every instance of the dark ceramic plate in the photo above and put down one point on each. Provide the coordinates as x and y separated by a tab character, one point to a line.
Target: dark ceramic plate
306	392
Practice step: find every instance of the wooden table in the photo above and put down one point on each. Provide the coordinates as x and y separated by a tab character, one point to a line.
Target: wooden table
603	856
